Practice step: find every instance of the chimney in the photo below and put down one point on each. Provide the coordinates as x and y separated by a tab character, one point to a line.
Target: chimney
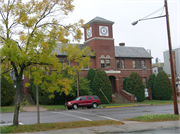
121	44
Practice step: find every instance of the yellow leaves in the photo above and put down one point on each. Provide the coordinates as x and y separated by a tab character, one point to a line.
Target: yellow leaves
27	84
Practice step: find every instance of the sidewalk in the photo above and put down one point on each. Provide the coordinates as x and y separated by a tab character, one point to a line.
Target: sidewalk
128	127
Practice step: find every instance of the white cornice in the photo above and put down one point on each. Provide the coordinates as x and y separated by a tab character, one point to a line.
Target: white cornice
98	38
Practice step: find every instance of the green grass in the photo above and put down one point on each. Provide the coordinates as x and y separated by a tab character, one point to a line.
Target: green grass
155	118
55	126
156	102
8	109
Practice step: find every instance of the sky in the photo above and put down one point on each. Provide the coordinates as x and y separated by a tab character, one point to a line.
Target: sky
150	34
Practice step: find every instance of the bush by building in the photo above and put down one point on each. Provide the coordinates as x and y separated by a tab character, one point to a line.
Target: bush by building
162	88
90	76
125	83
7	91
102	83
151	82
135	86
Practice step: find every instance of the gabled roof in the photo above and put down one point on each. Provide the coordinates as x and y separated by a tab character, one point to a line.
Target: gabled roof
99	20
57	49
131	52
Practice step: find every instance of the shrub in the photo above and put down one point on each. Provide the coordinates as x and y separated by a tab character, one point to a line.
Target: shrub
7	91
151	82
84	88
135	86
101	81
124	83
44	96
90	76
162	89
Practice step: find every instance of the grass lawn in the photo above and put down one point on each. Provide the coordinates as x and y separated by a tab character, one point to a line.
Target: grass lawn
55	126
155	118
156	102
8	109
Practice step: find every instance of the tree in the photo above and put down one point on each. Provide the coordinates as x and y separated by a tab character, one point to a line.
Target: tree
90	76
29	32
102	83
125	83
79	56
151	82
84	88
7	91
135	86
162	87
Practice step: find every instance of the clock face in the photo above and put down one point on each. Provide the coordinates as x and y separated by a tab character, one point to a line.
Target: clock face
89	32
103	31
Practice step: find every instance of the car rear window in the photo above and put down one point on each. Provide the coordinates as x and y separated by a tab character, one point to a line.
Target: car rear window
95	97
89	98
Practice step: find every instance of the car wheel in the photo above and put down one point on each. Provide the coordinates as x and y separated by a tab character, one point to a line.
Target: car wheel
75	106
94	105
88	107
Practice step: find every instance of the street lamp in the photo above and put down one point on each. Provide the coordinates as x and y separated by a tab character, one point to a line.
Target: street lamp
170	54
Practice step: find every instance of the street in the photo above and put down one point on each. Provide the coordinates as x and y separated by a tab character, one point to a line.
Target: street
88	114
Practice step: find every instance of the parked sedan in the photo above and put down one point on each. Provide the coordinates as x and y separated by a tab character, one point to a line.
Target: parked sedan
84	101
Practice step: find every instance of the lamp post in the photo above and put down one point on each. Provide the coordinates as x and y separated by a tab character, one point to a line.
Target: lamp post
170	54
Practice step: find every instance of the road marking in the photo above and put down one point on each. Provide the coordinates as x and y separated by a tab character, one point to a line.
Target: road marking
95	115
73	116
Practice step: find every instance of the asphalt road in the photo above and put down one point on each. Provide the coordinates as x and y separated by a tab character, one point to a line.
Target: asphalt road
89	114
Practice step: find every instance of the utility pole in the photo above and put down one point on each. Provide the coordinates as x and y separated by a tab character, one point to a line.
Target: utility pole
171	62
37	102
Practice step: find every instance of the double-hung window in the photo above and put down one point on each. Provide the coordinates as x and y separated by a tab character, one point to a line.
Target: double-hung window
102	63
108	63
134	64
138	64
118	63
122	64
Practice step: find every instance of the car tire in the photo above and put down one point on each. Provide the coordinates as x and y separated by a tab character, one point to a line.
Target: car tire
88	107
94	105
75	106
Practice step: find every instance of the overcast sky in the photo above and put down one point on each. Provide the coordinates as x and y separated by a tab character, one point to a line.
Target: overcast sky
150	34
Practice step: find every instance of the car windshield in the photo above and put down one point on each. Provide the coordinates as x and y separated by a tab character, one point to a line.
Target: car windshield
77	98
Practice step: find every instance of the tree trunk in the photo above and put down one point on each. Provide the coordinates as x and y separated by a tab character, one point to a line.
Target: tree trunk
17	102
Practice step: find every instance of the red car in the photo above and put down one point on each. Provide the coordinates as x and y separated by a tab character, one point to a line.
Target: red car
84	101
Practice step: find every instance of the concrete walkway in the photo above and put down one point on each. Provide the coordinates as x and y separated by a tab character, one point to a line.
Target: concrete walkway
33	108
128	127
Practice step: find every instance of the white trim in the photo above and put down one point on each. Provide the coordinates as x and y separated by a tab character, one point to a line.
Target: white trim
98	38
111	71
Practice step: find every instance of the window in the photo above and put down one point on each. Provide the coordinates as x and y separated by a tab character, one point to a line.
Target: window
61	60
83	98
66	61
89	98
108	63
118	63
95	97
139	64
102	64
122	64
143	63
144	81
134	64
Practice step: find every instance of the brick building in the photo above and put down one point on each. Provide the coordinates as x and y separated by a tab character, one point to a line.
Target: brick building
117	61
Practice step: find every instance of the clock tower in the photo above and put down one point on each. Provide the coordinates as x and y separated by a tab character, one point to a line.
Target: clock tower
99	35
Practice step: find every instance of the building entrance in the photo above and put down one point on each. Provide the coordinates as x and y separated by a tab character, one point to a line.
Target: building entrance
113	83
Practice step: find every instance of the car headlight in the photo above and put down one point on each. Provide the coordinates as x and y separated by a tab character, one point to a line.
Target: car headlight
69	103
